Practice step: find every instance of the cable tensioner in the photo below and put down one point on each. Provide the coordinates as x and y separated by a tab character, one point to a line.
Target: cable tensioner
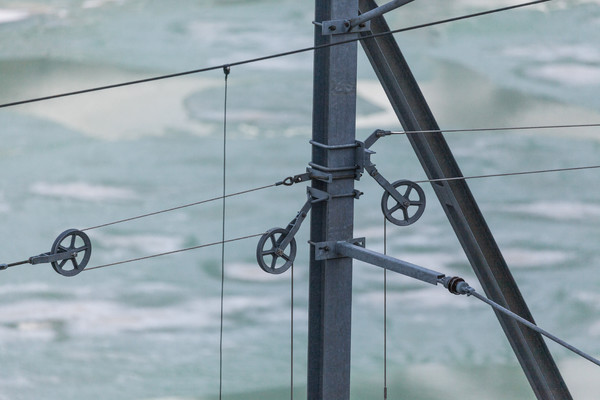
69	254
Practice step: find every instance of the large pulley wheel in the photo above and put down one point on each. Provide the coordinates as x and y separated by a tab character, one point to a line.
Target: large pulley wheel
78	244
408	212
271	258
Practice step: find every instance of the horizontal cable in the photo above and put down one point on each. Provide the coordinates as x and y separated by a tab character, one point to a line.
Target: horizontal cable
531	325
458	178
179	207
174	251
508	128
268	57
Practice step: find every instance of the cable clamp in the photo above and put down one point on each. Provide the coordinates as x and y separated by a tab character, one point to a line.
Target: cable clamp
343	26
310	174
327	250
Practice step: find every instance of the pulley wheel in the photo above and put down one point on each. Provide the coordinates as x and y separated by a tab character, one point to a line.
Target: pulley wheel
270	257
409	212
76	242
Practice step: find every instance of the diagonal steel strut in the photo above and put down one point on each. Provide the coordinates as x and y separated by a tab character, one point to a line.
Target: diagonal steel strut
461	208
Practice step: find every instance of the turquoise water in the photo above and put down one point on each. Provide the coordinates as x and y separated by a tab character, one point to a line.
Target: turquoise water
150	329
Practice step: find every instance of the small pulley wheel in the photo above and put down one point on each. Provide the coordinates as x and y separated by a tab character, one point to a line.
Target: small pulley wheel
407	213
271	258
75	242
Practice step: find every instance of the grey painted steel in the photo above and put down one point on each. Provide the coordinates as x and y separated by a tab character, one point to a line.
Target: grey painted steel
461	209
276	251
330	281
342	27
376	12
347	249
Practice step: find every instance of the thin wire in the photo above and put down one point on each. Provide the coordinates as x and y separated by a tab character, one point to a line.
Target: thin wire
457	178
385	388
513	128
533	326
268	57
292	333
180	207
174	251
226	71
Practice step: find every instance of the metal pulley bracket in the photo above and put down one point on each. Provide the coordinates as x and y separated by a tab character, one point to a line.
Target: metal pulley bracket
274	243
403	202
308	175
69	254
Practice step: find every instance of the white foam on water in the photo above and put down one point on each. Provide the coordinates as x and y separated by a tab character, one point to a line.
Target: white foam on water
521	257
38	319
429	297
4	206
174	398
567	73
82	191
372	92
591	299
98	3
584	53
250	272
141	243
561	211
582	378
7	15
128	113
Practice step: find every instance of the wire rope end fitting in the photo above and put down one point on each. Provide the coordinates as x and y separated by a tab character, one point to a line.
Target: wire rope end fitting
3	267
456	285
226	69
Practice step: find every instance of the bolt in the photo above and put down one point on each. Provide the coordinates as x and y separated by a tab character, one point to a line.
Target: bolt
346	24
332	28
361	25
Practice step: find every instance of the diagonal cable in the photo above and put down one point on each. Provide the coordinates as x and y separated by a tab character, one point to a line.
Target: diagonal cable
179	207
174	251
264	58
542	171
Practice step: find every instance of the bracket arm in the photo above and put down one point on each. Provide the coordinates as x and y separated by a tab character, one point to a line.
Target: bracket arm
376	12
357	252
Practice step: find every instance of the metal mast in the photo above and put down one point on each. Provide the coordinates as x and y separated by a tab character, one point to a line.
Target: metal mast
333	152
461	209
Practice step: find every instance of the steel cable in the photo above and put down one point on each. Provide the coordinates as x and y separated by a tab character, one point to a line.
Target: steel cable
494	129
457	178
180	207
226	71
268	57
531	325
175	251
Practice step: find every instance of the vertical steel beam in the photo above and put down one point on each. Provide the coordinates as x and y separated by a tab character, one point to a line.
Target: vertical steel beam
461	209
330	281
